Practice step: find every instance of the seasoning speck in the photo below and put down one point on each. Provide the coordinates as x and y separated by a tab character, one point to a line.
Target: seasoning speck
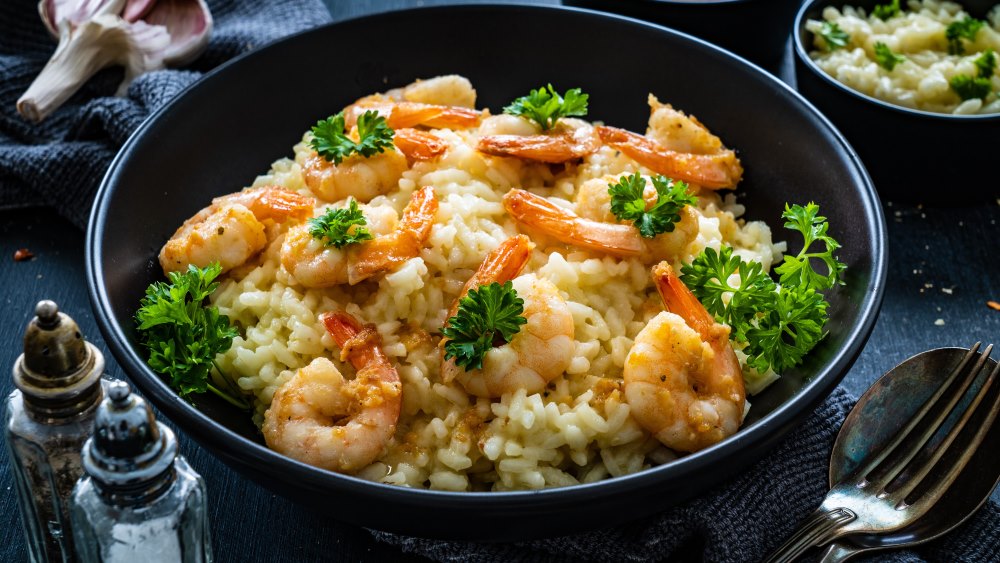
993	305
939	322
947	290
23	254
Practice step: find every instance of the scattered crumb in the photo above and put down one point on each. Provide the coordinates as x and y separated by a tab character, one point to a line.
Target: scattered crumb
889	203
899	214
961	223
923	215
947	290
38	277
993	305
939	322
23	254
938	309
927	247
928	286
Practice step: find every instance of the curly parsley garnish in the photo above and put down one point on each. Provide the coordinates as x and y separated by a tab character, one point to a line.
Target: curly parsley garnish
981	86
182	334
886	11
834	37
330	139
886	58
340	227
965	28
779	324
545	106
628	204
487	317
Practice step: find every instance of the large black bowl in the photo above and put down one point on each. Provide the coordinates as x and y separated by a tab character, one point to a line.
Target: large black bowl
913	155
222	132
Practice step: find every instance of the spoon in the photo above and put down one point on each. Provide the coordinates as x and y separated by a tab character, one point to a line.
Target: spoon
885	407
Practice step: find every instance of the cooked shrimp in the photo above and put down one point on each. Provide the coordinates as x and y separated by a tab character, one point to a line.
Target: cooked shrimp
570	139
617	239
319	418
418	145
356	176
411	114
711	171
540	351
447	90
682	379
232	229
676	131
315	265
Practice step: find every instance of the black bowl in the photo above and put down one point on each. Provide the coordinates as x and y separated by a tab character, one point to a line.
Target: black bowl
912	155
755	29
219	134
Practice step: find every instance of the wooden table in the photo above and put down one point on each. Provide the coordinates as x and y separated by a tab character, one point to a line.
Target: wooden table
943	267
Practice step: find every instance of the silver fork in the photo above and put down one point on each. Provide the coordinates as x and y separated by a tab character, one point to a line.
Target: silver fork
878	496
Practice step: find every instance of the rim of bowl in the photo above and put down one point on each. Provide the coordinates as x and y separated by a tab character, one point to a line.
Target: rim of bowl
221	439
802	54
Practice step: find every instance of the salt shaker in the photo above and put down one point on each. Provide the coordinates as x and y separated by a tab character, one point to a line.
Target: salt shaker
47	419
140	500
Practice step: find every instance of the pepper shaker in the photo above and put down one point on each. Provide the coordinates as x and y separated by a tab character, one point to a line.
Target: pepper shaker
139	499
47	419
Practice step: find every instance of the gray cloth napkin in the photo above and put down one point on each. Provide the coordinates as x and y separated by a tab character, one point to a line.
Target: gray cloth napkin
61	161
740	521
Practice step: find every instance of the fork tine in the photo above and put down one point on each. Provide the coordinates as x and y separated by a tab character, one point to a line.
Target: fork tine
938	488
916	478
912	445
865	470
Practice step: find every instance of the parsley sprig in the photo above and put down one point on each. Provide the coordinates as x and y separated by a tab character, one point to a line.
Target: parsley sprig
340	227
330	139
834	37
778	324
886	11
965	28
886	58
628	204
488	316
545	106
182	334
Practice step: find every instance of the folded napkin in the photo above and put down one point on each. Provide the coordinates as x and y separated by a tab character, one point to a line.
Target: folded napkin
742	520
61	161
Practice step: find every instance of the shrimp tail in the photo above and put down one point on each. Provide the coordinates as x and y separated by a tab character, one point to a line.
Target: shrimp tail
711	171
502	264
400	115
567	227
279	204
359	344
388	252
418	145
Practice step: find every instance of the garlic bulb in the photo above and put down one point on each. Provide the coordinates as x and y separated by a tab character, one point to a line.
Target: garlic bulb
140	35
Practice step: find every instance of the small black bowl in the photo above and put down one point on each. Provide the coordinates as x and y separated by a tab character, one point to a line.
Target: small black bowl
912	155
755	29
223	131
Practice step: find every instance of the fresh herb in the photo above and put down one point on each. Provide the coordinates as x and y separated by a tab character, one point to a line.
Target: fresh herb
986	63
340	227
886	11
545	106
628	204
778	324
787	330
957	30
968	87
886	58
330	139
798	270
834	37
182	334
486	317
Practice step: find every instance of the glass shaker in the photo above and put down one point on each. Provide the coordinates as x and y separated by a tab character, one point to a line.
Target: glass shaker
140	500
47	419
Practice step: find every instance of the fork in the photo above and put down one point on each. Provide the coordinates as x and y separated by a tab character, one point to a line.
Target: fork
903	481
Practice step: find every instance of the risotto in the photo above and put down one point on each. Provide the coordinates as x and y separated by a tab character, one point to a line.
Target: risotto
929	55
576	425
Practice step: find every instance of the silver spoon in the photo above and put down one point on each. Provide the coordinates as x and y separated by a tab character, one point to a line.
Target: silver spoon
884	408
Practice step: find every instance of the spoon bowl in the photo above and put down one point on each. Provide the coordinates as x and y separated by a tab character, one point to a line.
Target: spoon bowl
883	409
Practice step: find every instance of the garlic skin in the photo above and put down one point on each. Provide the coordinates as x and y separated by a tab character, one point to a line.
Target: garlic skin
140	35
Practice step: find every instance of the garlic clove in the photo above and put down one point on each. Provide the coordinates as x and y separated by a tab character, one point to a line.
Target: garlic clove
136	10
99	42
75	12
189	23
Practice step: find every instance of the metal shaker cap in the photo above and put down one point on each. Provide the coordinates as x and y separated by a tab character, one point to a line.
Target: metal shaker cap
129	448
58	367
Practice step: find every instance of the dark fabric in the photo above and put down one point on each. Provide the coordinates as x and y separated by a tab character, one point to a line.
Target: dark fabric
61	161
741	521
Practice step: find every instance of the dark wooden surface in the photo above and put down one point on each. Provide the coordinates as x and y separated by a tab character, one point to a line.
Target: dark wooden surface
943	269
